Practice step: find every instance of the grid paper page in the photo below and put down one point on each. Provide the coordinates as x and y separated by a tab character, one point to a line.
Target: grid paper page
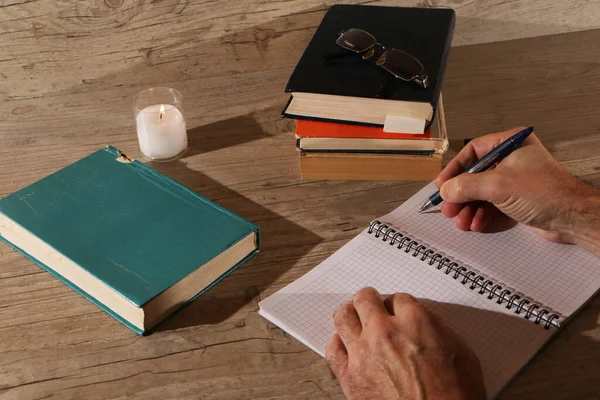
503	341
562	277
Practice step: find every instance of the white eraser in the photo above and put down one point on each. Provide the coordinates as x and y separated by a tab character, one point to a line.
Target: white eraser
400	124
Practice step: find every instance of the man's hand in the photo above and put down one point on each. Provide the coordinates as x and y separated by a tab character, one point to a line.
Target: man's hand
397	349
529	186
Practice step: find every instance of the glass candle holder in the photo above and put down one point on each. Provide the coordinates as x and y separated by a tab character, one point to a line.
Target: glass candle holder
160	123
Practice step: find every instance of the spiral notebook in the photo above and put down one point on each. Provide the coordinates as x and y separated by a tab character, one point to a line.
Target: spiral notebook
505	292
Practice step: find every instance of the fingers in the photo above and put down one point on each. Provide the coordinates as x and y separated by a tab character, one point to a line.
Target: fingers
347	324
352	317
473	151
396	302
476	216
486	213
450	209
487	186
336	355
465	217
368	304
410	316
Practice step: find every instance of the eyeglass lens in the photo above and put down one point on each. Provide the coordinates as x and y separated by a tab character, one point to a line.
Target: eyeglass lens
356	40
401	64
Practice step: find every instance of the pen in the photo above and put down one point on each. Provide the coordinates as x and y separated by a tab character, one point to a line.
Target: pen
490	159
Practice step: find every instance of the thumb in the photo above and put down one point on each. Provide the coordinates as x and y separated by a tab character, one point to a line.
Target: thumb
464	188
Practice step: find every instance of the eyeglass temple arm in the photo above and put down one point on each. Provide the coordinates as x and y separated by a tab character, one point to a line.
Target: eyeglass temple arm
385	89
328	57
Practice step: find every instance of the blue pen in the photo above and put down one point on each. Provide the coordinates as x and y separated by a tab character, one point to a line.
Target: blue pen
490	159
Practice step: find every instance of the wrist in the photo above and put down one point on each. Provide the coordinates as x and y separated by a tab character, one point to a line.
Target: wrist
583	225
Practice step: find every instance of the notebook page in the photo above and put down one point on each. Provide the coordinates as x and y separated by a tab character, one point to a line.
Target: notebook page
503	341
562	277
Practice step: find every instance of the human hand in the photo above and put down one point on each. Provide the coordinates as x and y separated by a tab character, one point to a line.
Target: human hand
397	349
529	186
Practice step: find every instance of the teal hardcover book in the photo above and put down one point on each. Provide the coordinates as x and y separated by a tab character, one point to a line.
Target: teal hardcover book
131	240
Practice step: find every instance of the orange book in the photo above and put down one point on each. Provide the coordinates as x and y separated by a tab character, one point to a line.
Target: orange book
306	128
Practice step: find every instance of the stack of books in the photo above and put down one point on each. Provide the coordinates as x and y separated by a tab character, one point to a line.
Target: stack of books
356	119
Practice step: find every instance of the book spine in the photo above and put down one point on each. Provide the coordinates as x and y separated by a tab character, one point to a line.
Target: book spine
471	278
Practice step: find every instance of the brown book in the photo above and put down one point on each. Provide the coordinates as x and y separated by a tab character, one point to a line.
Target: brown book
369	166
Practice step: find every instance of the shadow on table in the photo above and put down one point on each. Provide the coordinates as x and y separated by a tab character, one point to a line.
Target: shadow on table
283	243
222	134
564	368
567	367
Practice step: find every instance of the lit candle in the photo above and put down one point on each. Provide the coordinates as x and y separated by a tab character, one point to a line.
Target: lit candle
161	132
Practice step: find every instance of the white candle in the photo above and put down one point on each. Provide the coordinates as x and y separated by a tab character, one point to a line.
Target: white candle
161	132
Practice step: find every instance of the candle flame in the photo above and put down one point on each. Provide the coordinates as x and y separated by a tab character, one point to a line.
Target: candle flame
162	111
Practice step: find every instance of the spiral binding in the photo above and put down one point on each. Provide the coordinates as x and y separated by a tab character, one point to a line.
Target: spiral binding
474	279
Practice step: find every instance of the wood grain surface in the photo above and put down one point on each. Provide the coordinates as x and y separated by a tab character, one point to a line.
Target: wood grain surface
68	72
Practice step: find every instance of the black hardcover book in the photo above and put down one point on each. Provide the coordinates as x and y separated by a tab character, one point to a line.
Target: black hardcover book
315	84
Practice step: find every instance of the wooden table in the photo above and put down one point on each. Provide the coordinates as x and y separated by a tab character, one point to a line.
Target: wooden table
68	73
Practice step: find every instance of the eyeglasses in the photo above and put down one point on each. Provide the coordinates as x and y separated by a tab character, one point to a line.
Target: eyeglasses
397	62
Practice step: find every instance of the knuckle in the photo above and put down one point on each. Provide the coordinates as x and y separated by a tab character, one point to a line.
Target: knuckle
365	292
365	296
337	316
342	313
400	298
360	300
413	312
